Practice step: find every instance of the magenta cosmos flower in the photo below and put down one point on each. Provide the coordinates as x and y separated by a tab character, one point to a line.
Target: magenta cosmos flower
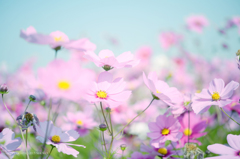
107	59
165	152
197	23
216	94
58	138
169	39
65	79
9	144
56	40
138	155
232	152
161	90
197	126
108	91
165	128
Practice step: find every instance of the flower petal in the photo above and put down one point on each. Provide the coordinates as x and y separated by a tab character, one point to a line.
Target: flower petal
221	149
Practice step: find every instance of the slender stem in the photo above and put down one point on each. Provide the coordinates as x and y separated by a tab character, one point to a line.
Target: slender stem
109	154
27	107
26	137
17	124
50	151
104	142
188	125
105	117
175	149
56	54
134	118
122	154
229	116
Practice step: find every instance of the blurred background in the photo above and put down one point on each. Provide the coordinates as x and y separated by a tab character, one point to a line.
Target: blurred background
116	25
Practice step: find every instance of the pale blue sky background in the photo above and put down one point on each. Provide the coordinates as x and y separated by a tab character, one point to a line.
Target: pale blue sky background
133	22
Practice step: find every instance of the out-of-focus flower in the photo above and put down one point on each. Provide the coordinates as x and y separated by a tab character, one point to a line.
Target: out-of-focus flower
164	151
217	94
183	106
68	80
165	128
161	90
9	148
108	61
3	89
138	155
169	39
232	152
108	91
236	21
234	105
144	54
27	120
197	126
197	23
56	137
80	122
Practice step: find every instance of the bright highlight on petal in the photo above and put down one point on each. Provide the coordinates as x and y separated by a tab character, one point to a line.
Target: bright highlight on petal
163	151
64	85
58	39
79	122
215	96
165	131
56	138
187	132
102	94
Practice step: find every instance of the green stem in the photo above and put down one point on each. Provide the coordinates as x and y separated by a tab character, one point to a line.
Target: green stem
26	137
56	54
17	124
175	148
134	118
104	142
229	116
50	152
109	152
105	117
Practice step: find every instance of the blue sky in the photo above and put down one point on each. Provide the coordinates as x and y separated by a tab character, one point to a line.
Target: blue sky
134	23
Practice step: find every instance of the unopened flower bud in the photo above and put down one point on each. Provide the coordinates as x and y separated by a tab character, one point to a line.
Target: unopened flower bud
238	53
123	147
32	98
107	67
103	127
3	89
108	109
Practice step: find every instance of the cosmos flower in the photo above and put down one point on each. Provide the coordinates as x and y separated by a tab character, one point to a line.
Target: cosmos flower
164	151
56	137
165	128
138	155
183	106
197	126
27	120
108	61
169	39
227	152
161	90
7	150
234	105
108	90
217	94
197	23
68	80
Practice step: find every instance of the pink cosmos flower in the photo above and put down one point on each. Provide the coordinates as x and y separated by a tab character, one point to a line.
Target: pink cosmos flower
234	105
164	151
183	106
108	91
107	60
165	128
236	21
138	155
217	94
144	54
65	79
7	150
197	23
232	152
169	39
197	126
81	122
55	39
58	138
161	90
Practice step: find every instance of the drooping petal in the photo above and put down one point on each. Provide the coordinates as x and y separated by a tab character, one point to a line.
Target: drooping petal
234	141
228	90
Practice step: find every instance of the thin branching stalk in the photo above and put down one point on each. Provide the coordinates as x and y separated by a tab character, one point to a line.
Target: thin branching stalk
230	117
105	118
50	152
109	152
104	142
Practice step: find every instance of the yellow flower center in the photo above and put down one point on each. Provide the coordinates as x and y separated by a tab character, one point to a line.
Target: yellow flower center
198	91
102	94
57	39
215	96
157	91
165	131
79	122
64	85
163	151
187	132
56	138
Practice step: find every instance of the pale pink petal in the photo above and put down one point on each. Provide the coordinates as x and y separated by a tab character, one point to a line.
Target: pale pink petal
105	54
221	149
105	76
234	141
124	57
228	90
